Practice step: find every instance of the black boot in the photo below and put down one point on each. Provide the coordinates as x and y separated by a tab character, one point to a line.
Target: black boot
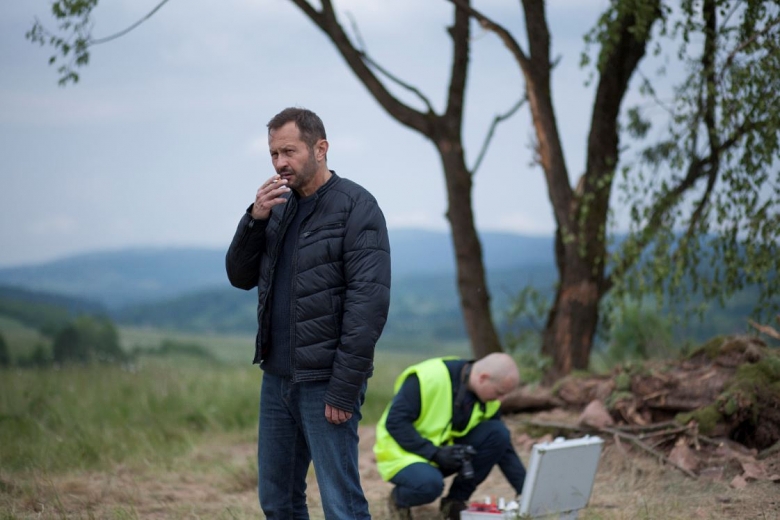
451	508
397	513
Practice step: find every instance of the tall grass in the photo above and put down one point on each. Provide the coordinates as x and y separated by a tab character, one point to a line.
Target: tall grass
80	417
232	349
98	416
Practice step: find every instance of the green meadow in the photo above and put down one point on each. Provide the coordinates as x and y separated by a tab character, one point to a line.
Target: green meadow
145	411
171	433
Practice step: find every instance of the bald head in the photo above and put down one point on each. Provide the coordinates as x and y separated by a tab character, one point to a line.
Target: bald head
494	376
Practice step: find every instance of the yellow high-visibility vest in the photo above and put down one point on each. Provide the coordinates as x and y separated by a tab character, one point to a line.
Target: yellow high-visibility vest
435	420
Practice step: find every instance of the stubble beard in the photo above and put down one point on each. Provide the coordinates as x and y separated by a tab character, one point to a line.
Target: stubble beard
300	179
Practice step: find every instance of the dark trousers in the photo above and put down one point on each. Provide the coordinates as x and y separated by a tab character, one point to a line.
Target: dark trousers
293	434
422	483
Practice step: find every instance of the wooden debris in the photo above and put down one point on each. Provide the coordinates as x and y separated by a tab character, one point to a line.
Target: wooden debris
765	329
635	440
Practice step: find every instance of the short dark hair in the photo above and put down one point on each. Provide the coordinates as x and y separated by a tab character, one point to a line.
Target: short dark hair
309	124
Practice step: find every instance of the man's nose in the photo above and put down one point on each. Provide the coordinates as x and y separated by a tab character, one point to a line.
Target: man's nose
280	163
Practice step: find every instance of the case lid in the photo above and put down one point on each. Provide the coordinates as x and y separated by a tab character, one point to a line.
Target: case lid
560	476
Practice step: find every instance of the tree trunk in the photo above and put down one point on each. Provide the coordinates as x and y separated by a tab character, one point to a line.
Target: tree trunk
573	318
581	213
472	285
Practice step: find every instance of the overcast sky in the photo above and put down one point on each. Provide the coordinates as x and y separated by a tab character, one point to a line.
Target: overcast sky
163	141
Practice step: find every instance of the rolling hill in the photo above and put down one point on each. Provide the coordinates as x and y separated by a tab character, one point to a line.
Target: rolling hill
187	290
120	278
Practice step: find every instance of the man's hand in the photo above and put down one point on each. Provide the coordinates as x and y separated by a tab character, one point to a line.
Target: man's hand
268	196
336	416
449	458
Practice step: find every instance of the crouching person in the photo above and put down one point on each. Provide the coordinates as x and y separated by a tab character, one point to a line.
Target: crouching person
444	419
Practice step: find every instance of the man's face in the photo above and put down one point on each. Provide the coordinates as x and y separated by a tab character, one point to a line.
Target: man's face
488	389
293	160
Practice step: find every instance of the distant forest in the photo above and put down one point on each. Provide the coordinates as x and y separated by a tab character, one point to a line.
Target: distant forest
424	309
187	290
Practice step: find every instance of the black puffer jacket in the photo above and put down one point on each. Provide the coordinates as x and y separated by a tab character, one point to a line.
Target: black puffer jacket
341	284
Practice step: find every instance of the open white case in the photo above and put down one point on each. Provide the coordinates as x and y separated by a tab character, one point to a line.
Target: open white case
560	477
558	482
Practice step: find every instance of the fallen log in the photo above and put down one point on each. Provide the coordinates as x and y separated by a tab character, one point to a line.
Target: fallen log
635	440
530	399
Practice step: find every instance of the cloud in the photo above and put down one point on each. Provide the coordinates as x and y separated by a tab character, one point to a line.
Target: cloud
36	108
61	224
519	222
258	146
416	219
172	118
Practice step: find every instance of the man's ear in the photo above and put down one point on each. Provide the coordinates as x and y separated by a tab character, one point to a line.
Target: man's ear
321	150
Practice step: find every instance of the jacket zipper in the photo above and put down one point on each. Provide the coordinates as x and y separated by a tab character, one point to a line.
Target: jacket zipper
293	295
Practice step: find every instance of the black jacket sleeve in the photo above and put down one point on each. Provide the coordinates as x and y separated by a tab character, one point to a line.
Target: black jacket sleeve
242	261
366	302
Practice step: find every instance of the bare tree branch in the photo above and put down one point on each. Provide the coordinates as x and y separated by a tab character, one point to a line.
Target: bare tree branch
496	121
361	48
500	31
327	22
536	68
121	33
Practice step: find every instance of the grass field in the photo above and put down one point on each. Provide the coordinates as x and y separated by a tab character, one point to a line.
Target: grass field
174	437
97	416
62	425
229	349
21	340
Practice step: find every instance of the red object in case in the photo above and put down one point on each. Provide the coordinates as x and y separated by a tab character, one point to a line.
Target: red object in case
484	508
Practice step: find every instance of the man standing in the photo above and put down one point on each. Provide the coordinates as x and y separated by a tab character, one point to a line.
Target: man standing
316	247
444	419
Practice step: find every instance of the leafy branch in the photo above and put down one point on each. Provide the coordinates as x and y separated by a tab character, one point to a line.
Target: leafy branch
73	50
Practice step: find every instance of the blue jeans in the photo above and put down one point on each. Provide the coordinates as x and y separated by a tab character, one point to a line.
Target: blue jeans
421	483
293	433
